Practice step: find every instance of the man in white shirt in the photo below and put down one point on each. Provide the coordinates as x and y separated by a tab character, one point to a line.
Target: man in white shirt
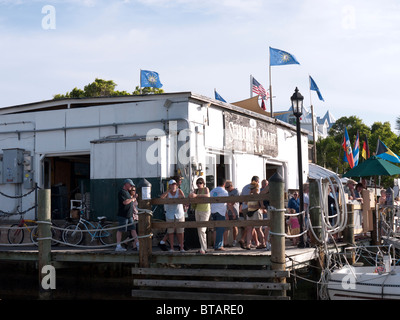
218	211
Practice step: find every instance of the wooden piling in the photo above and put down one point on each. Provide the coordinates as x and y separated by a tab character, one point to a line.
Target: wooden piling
277	223
348	234
145	244
44	239
315	212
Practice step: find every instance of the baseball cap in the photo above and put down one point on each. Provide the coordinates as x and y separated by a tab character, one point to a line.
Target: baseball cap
172	181
129	181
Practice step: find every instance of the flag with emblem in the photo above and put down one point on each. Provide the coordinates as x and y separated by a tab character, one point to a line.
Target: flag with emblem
279	57
348	152
149	79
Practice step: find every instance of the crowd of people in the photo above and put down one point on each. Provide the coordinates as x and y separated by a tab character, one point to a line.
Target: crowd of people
250	237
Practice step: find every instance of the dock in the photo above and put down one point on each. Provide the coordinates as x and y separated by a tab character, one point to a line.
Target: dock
235	273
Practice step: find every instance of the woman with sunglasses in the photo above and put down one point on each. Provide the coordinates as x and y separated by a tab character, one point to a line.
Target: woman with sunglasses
202	212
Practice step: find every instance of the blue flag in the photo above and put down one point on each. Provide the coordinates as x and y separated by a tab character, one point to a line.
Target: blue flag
278	57
149	79
313	86
218	97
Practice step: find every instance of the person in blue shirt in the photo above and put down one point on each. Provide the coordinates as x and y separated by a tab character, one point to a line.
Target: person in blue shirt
294	202
218	211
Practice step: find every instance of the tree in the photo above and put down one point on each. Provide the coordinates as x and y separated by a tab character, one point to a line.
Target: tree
103	88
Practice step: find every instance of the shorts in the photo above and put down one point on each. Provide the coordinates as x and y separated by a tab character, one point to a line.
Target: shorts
123	222
256	216
230	217
178	230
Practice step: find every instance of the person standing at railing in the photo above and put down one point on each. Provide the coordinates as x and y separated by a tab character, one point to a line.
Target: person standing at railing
174	212
218	211
232	212
202	212
126	203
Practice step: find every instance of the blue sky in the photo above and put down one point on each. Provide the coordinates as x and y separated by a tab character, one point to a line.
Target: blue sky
350	48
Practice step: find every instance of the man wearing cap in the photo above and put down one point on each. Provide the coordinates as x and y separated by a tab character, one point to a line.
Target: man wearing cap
125	214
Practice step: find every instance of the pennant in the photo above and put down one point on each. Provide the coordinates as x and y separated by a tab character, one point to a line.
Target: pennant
149	79
365	149
356	152
347	149
279	57
218	97
313	86
385	153
263	105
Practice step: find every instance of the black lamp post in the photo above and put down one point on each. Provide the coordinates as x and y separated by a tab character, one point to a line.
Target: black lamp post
297	105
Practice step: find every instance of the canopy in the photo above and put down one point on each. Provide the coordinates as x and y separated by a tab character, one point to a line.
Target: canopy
373	167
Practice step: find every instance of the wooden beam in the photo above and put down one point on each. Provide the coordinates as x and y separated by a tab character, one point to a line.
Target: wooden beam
227	273
197	200
151	294
209	224
211	284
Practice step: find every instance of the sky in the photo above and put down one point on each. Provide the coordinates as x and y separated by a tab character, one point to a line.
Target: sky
350	48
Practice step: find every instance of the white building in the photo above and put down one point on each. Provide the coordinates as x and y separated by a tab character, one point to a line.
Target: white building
321	125
90	145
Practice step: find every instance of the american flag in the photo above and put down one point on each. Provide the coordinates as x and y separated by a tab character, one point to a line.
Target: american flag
259	89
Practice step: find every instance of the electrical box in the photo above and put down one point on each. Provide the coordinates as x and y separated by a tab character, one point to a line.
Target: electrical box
13	165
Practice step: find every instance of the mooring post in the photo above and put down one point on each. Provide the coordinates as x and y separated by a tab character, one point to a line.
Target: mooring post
277	220
145	240
315	213
44	242
316	223
348	233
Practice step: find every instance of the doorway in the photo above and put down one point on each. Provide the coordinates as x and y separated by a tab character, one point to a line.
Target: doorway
68	177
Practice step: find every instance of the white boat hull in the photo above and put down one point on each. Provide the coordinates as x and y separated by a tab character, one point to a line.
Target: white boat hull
364	283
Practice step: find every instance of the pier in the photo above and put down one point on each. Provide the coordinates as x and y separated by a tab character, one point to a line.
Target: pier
231	274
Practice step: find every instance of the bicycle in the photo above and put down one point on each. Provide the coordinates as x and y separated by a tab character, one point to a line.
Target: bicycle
16	234
73	233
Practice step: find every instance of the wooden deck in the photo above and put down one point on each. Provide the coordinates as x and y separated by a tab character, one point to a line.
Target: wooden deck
232	256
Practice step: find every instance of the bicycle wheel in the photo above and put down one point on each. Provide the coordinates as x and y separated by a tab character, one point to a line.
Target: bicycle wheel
35	235
72	234
105	235
15	235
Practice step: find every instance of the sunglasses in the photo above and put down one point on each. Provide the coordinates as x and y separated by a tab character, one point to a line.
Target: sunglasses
199	182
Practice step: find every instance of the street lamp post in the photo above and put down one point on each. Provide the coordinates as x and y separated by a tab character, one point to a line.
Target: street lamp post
297	105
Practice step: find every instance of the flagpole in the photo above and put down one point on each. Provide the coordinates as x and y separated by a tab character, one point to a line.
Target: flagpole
251	86
270	86
140	82
313	125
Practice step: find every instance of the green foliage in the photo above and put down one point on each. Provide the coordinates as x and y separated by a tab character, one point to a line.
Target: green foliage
103	88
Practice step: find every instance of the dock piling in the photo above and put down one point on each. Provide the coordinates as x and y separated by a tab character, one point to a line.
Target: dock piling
277	218
44	239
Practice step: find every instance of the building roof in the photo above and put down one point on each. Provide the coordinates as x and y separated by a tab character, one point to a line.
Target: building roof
70	103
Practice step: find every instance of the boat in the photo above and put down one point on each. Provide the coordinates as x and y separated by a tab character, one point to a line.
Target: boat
374	282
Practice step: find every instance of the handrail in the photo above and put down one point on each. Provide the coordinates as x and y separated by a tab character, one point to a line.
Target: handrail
228	199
